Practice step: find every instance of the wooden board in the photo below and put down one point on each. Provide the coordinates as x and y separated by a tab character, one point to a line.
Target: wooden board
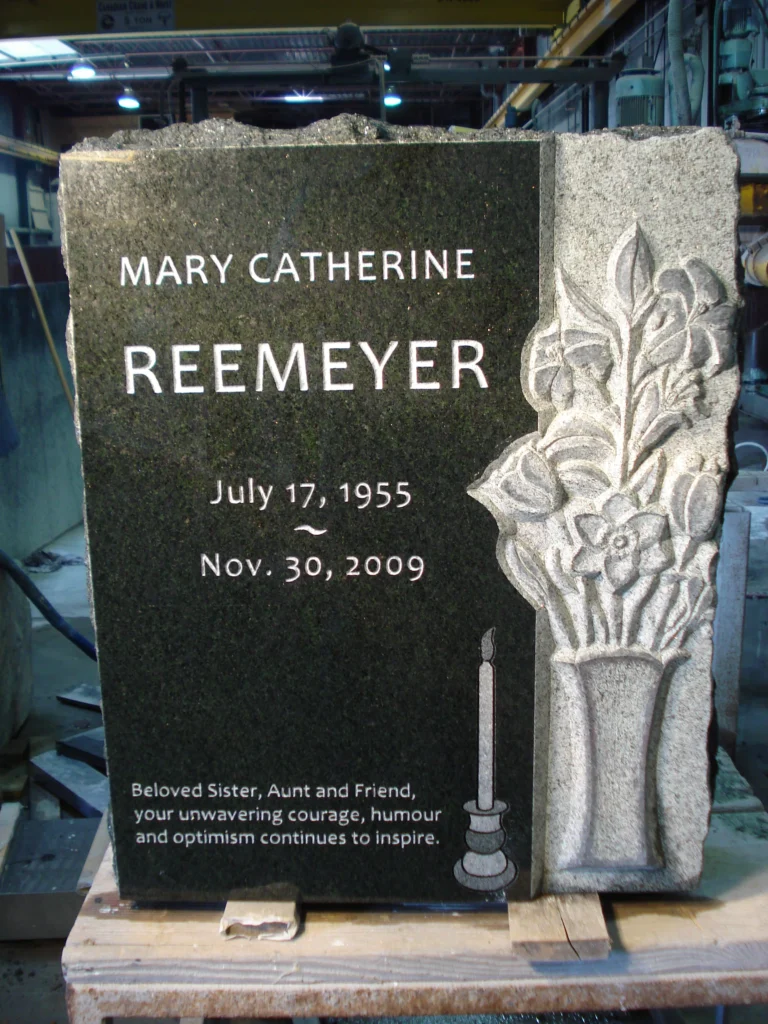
710	948
570	927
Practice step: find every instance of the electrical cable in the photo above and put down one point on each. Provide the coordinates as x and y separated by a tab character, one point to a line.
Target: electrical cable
45	607
754	444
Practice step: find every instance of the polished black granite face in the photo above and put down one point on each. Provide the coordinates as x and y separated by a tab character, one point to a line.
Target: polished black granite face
291	583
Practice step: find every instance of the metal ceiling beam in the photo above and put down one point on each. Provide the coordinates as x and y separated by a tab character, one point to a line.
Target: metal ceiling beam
79	17
255	75
601	72
28	151
585	29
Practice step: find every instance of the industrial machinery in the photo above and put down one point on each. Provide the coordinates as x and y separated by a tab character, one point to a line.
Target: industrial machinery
741	89
640	97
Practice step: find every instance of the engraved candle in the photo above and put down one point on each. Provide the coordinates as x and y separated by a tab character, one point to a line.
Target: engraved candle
485	725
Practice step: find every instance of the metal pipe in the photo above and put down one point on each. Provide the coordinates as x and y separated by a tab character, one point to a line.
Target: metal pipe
694	61
677	61
382	90
715	69
199	103
696	88
754	258
600	94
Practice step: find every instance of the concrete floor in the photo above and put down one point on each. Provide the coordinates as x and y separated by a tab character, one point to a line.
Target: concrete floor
31	985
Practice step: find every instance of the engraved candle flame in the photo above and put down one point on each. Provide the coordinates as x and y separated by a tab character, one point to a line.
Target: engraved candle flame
485	725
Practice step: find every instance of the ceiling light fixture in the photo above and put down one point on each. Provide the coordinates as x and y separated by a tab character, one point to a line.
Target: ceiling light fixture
392	97
34	49
303	97
128	100
82	71
387	66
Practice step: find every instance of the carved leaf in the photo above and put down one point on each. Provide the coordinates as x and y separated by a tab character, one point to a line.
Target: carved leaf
583	479
561	579
661	427
541	378
665	335
676	281
526	574
717	325
630	269
575	435
709	291
647	408
646	481
570	295
561	391
685	390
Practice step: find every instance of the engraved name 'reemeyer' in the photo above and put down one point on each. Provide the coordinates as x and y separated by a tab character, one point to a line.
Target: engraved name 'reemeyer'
329	366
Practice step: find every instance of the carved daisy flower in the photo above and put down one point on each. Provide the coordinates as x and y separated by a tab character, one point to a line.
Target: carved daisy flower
621	544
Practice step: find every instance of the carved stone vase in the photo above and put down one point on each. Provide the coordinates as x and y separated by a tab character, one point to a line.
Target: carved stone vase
621	695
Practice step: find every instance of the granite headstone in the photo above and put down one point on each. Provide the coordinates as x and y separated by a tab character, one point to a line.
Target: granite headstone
292	360
313	368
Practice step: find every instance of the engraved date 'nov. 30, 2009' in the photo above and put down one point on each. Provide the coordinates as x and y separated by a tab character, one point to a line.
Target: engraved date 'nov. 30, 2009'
294	568
360	496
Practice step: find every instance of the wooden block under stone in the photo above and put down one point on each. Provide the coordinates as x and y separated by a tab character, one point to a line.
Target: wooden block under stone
582	916
256	919
570	927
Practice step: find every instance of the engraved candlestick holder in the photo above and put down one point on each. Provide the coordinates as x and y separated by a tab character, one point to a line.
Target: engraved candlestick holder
485	867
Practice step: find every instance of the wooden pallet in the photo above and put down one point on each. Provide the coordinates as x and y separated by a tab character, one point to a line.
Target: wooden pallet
708	949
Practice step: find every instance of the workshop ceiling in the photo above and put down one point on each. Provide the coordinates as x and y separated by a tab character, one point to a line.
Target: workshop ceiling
237	66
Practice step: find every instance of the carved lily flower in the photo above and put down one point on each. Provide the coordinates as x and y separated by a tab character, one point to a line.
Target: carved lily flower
554	356
621	543
691	322
521	485
695	503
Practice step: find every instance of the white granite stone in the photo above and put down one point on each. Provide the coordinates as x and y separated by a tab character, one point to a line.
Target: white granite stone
608	515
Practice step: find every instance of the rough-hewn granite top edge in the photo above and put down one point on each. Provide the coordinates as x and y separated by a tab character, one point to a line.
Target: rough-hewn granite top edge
340	130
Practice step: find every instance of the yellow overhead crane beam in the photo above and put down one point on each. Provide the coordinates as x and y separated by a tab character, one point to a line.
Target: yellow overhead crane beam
28	151
27	18
581	32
